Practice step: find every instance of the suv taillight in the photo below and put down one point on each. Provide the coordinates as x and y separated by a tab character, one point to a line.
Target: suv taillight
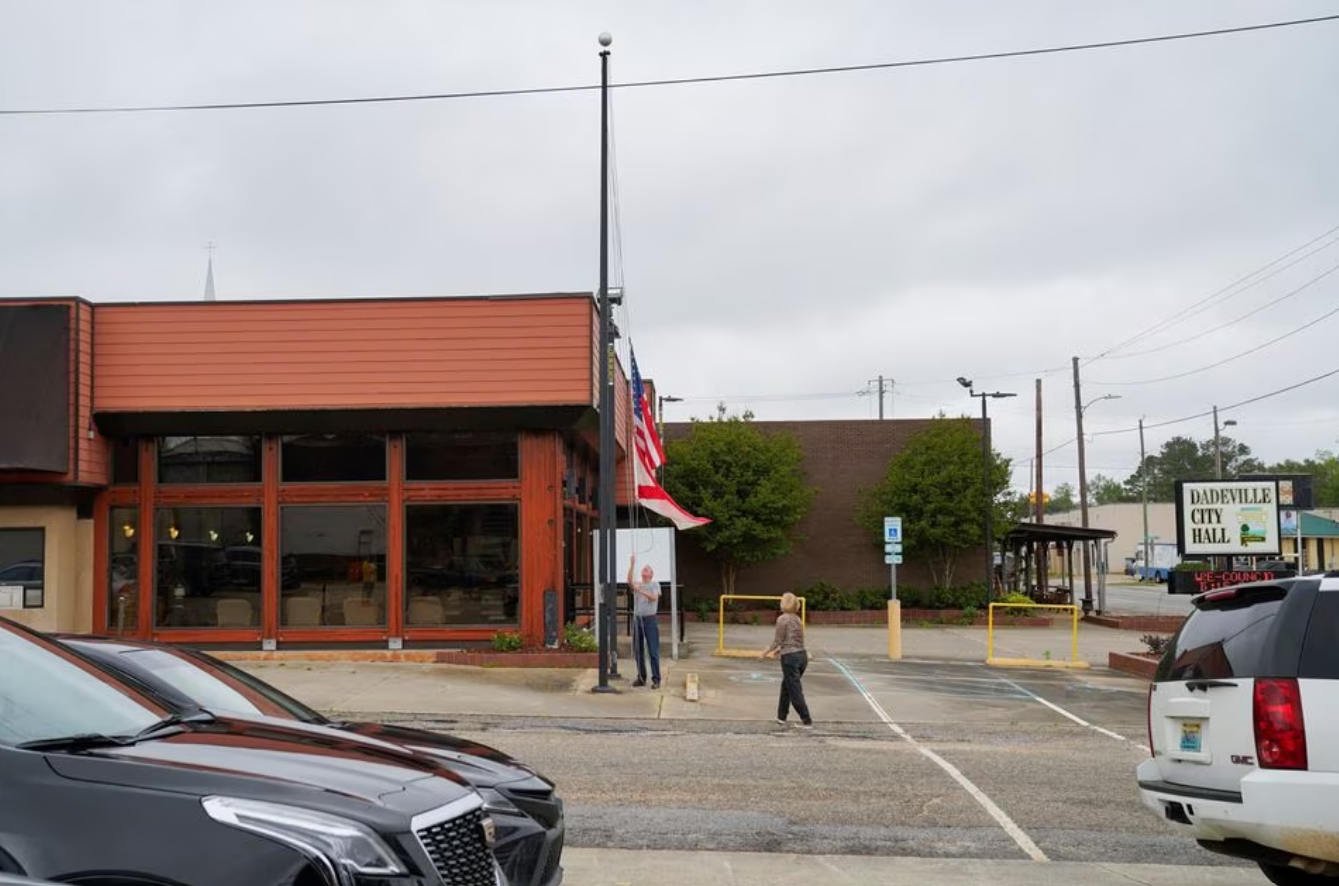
1149	714
1280	732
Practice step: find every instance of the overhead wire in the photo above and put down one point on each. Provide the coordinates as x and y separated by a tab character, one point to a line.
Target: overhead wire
677	81
1237	356
1208	300
1287	295
1222	409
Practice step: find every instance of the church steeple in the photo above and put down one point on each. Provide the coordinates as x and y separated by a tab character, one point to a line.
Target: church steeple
209	274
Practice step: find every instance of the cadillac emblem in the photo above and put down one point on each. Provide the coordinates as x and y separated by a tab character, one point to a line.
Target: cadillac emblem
489	832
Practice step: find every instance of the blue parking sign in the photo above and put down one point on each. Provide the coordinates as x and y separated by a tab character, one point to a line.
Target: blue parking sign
892	529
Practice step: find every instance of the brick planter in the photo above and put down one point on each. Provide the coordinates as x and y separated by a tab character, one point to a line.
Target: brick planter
1149	624
1135	665
418	656
488	659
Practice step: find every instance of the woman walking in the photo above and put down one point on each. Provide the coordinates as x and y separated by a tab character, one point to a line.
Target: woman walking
789	645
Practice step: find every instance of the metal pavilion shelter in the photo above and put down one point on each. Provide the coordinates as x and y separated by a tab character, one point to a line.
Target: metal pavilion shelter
1030	545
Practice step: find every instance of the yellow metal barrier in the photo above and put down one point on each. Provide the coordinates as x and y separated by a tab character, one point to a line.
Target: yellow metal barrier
720	633
1073	661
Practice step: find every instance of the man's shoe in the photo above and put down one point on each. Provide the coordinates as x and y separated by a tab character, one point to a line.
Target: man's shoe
780	722
655	684
639	682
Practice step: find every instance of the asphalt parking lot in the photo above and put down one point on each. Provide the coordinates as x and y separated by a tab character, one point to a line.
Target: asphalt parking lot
986	772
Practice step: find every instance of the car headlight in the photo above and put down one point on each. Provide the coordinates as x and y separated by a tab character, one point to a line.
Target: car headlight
349	847
494	802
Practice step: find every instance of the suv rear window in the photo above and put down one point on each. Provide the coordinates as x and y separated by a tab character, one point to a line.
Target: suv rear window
1320	652
1223	641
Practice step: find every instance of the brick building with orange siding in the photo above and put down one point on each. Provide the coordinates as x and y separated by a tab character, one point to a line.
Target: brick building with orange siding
274	474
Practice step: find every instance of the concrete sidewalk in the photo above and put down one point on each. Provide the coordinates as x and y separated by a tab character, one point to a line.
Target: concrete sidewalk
730	688
626	867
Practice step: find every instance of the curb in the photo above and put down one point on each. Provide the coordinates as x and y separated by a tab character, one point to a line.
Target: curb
1134	665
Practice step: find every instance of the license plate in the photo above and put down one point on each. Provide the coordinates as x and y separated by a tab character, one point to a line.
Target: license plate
1191	738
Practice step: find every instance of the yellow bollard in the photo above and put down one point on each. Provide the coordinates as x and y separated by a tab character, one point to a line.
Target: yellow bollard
895	630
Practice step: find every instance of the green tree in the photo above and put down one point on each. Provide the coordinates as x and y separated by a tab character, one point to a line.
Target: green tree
1062	499
750	484
936	485
1183	458
1103	490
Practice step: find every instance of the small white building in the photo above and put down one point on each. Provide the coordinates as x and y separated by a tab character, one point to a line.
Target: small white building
1127	521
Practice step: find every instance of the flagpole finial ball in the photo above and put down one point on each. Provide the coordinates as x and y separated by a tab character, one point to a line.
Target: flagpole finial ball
606	38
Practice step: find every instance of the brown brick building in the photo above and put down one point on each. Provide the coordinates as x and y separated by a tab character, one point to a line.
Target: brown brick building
841	458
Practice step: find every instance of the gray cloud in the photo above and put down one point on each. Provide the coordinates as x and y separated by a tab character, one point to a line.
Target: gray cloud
779	238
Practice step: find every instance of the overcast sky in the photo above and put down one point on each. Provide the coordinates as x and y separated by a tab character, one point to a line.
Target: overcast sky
784	241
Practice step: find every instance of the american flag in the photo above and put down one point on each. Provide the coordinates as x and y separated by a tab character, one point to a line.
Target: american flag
649	455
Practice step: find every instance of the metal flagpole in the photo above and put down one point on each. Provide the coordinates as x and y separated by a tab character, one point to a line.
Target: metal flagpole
605	620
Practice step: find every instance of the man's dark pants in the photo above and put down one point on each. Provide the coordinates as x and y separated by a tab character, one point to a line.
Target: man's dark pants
793	665
646	637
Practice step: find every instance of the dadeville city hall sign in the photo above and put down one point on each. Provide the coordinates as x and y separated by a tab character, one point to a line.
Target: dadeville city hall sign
1227	517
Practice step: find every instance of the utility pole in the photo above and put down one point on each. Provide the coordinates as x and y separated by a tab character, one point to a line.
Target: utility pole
1217	447
880	382
1083	493
1143	492
606	621
1039	505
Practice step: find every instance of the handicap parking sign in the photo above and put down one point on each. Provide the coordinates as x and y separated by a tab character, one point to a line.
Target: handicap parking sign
892	529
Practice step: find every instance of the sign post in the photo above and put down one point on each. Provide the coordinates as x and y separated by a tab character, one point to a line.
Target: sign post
892	555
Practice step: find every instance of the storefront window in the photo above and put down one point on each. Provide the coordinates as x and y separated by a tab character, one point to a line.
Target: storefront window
332	566
123	585
333	458
22	568
209	460
209	567
462	455
462	565
125	460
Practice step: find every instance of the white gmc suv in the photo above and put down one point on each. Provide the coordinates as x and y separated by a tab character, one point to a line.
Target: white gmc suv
1243	720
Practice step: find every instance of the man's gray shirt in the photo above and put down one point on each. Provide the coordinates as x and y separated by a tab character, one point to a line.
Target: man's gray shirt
642	606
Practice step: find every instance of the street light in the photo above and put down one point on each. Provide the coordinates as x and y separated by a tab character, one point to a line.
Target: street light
660	410
1083	499
985	478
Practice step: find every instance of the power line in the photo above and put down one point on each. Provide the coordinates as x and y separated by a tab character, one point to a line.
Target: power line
780	398
678	81
1245	316
1204	303
1205	414
1225	360
1222	409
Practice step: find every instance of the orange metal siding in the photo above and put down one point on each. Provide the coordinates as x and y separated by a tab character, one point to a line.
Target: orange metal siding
343	354
92	446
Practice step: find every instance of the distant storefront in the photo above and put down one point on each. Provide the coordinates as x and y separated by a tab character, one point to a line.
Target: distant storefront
391	472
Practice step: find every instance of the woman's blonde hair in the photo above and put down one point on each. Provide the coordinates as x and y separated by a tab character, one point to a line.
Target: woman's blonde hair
790	603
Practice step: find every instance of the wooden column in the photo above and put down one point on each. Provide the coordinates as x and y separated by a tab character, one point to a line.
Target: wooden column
270	542
148	543
395	539
541	528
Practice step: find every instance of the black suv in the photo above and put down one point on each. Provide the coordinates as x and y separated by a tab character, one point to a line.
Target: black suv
101	785
522	803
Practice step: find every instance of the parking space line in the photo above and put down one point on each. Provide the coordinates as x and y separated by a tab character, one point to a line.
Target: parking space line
1077	719
1031	849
